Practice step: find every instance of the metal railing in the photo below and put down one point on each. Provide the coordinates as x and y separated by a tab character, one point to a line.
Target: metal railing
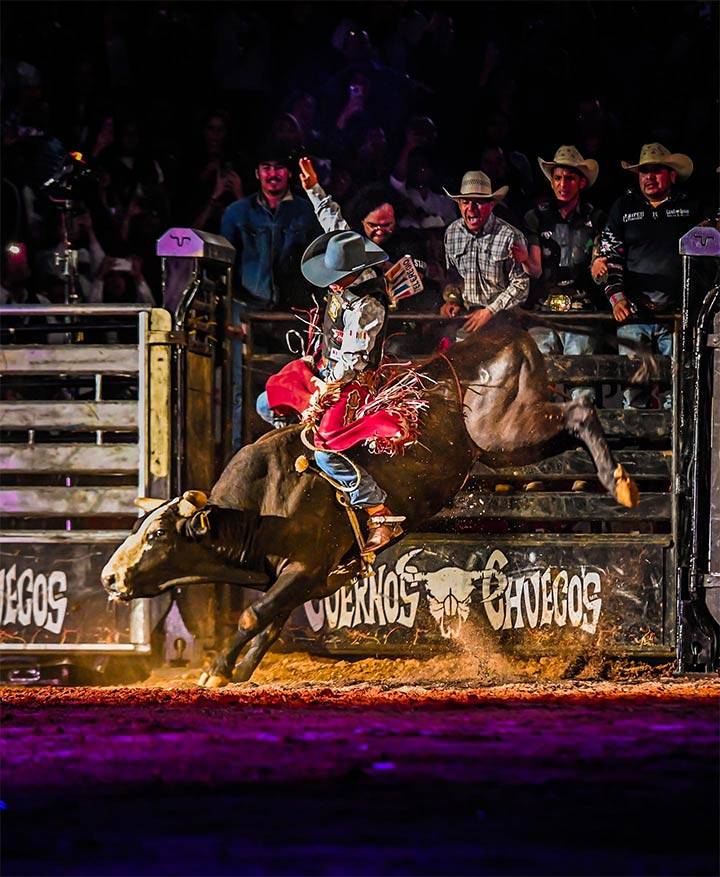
632	549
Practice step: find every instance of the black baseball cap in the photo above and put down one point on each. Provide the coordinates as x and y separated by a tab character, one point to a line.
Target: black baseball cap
274	150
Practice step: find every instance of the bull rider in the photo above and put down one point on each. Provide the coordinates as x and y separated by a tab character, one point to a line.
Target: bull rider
337	387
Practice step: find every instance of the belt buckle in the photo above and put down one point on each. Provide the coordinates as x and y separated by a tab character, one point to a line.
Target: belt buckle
559	302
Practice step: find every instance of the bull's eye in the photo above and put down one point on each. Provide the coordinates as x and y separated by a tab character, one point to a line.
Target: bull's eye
155	534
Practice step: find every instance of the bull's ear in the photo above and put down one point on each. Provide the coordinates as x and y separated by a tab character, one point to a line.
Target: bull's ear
198	525
148	503
190	502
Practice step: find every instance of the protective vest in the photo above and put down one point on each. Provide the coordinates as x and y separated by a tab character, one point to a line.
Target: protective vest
336	312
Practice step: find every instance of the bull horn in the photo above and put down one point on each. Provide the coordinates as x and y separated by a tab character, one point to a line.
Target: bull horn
190	502
148	503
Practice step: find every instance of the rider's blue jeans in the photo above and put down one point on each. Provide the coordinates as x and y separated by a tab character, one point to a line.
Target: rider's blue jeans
266	412
364	493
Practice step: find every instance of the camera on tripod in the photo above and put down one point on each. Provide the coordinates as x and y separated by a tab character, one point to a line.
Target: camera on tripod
72	181
66	190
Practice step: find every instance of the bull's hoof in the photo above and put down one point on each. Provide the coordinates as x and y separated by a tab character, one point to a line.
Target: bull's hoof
215	680
626	490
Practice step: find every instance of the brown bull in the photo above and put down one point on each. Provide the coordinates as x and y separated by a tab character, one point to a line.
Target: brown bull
269	527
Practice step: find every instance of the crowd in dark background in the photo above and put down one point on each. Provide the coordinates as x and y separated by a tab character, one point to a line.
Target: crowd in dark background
163	98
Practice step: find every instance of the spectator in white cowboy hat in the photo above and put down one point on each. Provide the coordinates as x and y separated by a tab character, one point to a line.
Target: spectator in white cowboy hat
561	235
640	246
478	253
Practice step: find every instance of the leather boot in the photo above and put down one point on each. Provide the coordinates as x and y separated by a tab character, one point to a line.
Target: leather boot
383	527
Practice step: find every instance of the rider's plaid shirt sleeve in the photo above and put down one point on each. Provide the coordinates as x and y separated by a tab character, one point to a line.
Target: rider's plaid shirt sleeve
492	279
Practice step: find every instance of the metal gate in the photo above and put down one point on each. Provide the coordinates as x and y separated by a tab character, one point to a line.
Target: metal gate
697	485
84	433
102	404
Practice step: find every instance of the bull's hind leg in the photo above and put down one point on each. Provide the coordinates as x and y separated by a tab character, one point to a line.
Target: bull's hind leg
581	420
547	420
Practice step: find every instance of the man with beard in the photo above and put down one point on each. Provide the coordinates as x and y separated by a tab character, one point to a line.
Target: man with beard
270	231
640	247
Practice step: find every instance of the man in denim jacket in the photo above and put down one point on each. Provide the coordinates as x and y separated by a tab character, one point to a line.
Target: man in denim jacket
270	231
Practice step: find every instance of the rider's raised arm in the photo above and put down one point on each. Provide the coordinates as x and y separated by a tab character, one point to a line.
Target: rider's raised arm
327	211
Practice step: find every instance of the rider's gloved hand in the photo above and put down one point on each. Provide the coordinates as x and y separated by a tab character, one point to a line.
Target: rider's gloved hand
327	394
331	394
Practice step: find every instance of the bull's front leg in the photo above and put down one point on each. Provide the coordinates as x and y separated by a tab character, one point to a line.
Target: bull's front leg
224	669
262	623
258	647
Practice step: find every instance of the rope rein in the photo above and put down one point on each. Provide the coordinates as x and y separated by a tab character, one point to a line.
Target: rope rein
458	385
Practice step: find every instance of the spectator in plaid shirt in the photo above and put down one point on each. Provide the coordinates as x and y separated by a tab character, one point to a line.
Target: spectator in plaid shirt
482	251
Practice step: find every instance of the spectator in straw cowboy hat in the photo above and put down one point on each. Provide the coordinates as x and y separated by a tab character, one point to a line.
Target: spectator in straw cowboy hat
561	234
479	250
640	246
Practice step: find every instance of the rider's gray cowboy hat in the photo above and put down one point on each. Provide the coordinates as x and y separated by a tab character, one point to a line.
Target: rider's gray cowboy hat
656	153
476	186
568	156
336	254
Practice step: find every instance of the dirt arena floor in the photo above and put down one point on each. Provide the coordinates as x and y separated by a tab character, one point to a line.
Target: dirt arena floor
371	767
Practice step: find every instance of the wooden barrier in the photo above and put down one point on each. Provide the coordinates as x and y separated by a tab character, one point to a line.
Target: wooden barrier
102	404
74	457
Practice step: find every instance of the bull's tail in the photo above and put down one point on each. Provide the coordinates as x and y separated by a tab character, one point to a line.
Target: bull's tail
648	370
